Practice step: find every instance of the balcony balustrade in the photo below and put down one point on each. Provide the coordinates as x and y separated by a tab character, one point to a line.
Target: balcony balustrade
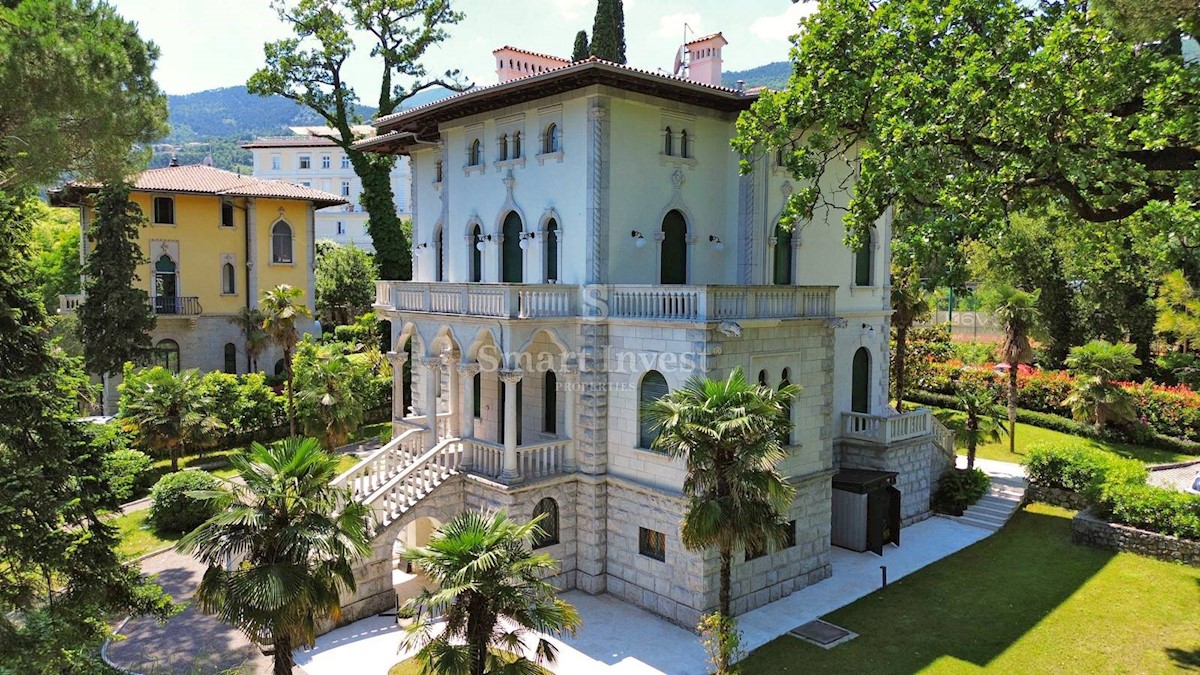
161	305
886	430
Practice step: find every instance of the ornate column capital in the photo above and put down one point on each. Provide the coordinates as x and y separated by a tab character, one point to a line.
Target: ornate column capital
469	369
450	357
431	363
397	359
512	376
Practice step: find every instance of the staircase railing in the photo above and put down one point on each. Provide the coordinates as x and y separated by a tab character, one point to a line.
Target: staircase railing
943	437
381	466
415	481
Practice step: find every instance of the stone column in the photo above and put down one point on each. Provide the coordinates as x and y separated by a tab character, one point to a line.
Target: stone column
570	379
510	378
433	368
466	415
453	402
397	359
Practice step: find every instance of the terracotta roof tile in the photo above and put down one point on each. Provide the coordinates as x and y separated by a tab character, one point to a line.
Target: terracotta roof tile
537	54
203	179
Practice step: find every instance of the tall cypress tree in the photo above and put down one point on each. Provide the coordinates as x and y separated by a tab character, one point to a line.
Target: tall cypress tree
608	31
115	319
580	52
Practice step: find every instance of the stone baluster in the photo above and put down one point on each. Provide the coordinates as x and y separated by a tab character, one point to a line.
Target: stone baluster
466	414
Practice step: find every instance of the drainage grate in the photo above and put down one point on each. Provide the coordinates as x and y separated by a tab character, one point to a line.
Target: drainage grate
822	633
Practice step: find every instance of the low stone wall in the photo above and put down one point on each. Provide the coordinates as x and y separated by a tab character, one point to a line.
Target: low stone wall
919	463
1067	499
1089	529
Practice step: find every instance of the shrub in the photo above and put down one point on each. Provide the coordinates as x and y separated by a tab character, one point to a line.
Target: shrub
172	509
976	353
128	471
224	393
958	489
1149	507
261	408
1079	468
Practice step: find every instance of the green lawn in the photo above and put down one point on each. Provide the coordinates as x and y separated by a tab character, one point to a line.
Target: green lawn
1028	435
1025	600
137	537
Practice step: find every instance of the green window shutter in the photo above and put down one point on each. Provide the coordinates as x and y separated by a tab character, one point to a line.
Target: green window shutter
783	256
512	260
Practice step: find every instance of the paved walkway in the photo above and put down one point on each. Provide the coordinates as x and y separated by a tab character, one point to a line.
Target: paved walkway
618	638
190	642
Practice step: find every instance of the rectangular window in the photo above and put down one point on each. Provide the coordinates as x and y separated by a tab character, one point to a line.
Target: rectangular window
164	210
276	162
306	183
325	161
652	544
345	188
753	552
345	161
305	162
790	541
341	227
226	214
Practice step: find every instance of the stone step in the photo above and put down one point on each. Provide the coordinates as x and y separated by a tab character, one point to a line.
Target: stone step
1006	490
982	520
1000	500
1003	513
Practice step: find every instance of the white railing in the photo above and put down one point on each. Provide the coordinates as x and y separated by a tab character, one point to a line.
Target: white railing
487	458
382	465
943	437
887	430
418	422
653	302
415	481
536	460
69	303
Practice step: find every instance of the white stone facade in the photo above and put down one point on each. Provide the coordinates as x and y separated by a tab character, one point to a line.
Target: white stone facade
614	290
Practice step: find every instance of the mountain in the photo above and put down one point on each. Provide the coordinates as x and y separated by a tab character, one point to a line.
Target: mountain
233	112
772	75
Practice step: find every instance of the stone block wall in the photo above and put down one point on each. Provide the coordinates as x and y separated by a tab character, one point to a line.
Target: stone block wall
1091	530
919	463
1067	499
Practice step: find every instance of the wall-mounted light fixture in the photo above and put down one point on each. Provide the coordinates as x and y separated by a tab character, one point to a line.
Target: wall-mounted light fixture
482	243
639	239
716	242
420	248
525	238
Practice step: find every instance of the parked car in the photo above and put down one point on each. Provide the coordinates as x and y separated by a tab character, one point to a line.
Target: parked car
1195	488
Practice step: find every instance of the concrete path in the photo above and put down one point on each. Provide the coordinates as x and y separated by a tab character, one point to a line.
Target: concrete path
618	638
190	642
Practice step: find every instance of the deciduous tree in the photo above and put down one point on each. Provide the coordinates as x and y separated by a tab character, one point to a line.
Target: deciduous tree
309	68
345	283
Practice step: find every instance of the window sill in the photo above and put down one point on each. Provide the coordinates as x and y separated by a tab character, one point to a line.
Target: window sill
163	224
474	168
550	157
518	163
854	290
275	263
667	160
226	227
229	295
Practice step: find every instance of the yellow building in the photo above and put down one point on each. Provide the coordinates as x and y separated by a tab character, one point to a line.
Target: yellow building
214	240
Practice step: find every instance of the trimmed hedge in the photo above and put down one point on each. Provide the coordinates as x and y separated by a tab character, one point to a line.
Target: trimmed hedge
172	509
1065	425
1115	488
958	489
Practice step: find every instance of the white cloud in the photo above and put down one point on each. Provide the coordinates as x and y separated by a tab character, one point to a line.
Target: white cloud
782	26
571	9
670	26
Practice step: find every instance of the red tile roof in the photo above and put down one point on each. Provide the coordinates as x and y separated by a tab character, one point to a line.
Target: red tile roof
203	179
289	142
705	38
537	54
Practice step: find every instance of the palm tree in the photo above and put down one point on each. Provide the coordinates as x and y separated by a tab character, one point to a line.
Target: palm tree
250	321
281	307
979	419
1097	367
293	537
1016	310
910	304
168	413
492	590
327	401
728	432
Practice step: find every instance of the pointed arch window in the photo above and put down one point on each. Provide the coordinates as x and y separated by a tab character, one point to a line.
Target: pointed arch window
548	509
512	258
652	388
685	144
673	262
550	403
439	263
502	147
475	153
783	255
668	142
516	145
551	244
228	279
860	381
281	242
476	254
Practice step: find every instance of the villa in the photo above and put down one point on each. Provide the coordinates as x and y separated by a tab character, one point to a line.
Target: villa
584	243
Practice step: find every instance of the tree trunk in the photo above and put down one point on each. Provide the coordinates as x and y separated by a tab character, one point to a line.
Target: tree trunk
972	436
174	460
283	663
901	355
723	604
1012	407
291	392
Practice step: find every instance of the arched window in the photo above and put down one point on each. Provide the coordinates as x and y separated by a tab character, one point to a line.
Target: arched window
475	154
477	396
228	283
783	255
548	508
516	145
762	378
785	379
502	148
864	262
279	369
281	242
512	257
673	269
779	157
653	387
550	139
476	254
551	251
230	358
860	381
166	353
668	142
550	403
439	264
685	148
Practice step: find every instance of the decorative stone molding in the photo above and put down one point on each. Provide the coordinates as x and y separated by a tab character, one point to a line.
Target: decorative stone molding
431	363
469	369
511	376
397	359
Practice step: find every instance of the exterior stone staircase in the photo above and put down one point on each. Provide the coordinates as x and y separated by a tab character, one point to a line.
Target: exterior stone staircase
992	511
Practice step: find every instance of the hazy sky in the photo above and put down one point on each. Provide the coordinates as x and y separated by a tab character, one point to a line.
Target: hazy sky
217	43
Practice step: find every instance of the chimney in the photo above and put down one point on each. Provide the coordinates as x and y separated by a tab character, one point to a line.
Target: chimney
512	63
174	160
704	59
